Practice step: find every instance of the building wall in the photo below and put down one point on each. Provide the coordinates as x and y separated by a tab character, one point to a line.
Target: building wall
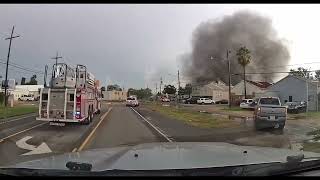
217	91
251	89
114	95
296	88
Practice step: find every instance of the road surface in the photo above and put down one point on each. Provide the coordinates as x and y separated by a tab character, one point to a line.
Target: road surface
23	138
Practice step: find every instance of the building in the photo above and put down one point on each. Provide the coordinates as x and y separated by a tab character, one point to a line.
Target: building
252	88
114	95
217	90
292	88
21	90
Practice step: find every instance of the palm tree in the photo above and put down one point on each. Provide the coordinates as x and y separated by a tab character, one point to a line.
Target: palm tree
244	59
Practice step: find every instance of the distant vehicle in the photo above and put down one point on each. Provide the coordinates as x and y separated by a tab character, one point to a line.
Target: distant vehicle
296	107
192	100
222	101
205	101
28	97
132	101
165	99
245	103
270	114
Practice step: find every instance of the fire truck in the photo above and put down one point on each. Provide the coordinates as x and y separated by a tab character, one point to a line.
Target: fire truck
72	96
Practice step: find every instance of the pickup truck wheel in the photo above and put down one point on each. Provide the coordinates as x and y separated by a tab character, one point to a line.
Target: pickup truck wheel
92	115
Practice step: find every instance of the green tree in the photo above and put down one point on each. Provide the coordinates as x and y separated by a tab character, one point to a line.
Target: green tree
23	81
188	89
170	89
244	58
140	93
302	72
181	91
33	80
103	88
317	75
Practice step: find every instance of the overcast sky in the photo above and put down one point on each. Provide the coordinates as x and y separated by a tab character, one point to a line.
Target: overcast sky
132	45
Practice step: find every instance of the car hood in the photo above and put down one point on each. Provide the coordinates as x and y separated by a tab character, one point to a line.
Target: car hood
155	156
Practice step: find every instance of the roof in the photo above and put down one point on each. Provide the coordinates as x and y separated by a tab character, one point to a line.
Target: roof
260	84
300	78
29	87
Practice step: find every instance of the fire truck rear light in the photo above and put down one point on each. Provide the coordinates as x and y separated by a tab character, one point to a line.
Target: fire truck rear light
77	113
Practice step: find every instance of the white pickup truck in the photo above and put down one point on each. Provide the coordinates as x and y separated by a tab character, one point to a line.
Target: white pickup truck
270	114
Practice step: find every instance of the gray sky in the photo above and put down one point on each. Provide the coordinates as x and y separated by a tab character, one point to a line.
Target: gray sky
133	45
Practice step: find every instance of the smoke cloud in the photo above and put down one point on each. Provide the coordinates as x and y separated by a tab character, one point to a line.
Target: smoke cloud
243	28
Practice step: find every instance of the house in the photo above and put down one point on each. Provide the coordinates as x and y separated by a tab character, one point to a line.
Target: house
252	87
114	95
217	90
293	88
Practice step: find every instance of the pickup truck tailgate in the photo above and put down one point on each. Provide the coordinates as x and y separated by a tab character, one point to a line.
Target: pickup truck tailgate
272	111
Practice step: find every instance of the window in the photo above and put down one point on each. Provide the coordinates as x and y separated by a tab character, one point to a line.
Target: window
290	98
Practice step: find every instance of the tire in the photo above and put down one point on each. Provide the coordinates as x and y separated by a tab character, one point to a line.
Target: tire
99	111
92	114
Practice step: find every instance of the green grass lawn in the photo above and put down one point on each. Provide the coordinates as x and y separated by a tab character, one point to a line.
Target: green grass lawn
17	110
193	118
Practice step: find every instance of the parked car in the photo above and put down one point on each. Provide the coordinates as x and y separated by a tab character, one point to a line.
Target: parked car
270	114
132	101
245	103
222	101
28	97
296	107
165	99
205	101
192	100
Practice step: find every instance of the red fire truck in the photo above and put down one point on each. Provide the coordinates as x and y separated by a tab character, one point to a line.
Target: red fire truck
72	96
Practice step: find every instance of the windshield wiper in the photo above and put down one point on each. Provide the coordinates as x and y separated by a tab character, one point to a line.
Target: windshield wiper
76	166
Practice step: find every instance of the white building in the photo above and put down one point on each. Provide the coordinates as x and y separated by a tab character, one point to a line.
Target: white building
114	95
21	90
217	90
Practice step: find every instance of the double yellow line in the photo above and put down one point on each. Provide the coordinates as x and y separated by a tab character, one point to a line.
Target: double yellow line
85	142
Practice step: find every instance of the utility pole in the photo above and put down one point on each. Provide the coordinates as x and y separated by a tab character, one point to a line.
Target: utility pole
160	85
229	74
56	58
6	79
178	86
45	75
156	88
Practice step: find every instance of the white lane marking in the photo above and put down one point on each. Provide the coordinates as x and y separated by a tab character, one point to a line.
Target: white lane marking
41	149
1	140
158	130
17	119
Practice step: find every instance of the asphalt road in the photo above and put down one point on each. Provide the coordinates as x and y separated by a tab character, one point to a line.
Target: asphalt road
123	126
23	138
29	134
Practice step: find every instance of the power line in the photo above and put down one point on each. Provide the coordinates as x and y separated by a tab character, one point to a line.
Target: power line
22	68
